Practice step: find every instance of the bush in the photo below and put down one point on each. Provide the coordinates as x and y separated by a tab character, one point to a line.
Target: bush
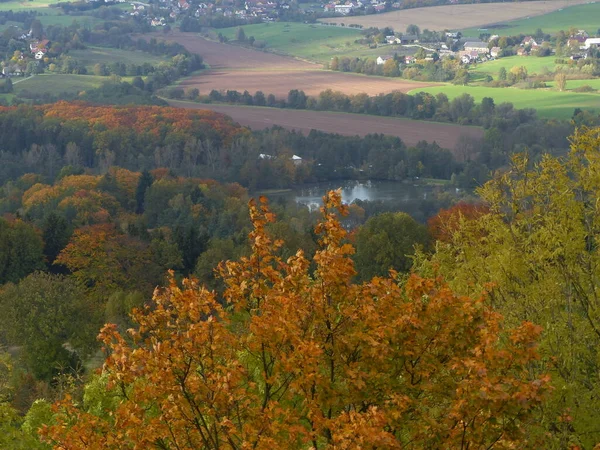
585	88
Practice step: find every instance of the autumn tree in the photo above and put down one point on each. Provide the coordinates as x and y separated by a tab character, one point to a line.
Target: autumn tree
390	68
536	249
295	358
560	80
103	260
443	225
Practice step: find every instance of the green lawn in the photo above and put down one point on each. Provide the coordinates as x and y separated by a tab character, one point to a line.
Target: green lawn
581	17
95	55
533	64
17	5
57	83
54	16
310	41
548	103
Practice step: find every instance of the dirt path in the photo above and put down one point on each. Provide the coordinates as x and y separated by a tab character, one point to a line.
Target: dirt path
410	131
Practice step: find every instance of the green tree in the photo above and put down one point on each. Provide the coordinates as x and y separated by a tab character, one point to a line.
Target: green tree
56	233
502	74
413	29
240	36
537	252
387	241
144	183
44	313
21	250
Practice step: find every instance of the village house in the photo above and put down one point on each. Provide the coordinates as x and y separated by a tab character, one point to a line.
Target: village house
344	9
495	52
591	42
522	51
382	59
476	46
37	46
39	55
409	59
529	41
406	39
392	40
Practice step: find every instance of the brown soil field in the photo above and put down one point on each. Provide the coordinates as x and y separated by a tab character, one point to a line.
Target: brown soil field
410	131
457	17
240	69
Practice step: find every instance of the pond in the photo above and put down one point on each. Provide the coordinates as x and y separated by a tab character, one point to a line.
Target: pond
387	191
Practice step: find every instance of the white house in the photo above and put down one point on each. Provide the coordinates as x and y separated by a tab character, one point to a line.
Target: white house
591	42
344	9
476	46
382	59
39	55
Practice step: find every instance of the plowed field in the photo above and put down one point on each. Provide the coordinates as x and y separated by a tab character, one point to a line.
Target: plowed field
456	17
240	69
410	131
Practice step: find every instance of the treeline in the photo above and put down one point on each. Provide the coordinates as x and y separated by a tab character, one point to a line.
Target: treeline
205	144
508	130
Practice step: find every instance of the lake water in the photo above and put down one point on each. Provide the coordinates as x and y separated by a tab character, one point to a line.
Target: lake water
386	191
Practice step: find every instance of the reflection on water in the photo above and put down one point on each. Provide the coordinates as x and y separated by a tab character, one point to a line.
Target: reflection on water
361	190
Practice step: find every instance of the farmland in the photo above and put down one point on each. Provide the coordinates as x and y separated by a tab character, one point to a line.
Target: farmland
410	131
457	17
240	69
548	103
580	16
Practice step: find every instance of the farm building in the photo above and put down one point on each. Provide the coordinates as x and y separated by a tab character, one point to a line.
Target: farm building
382	59
591	42
476	46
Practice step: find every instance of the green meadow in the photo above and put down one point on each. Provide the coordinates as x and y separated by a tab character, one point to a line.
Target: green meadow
102	55
583	17
17	5
309	41
548	103
533	64
58	83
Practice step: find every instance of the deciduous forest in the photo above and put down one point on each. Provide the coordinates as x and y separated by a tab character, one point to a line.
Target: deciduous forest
150	302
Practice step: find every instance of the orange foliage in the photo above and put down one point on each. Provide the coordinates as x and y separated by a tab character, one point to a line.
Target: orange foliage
127	180
443	225
105	260
39	194
143	118
300	360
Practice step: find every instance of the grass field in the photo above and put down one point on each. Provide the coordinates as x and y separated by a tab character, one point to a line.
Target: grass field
57	83
17	5
583	17
548	103
310	41
95	55
52	16
533	64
